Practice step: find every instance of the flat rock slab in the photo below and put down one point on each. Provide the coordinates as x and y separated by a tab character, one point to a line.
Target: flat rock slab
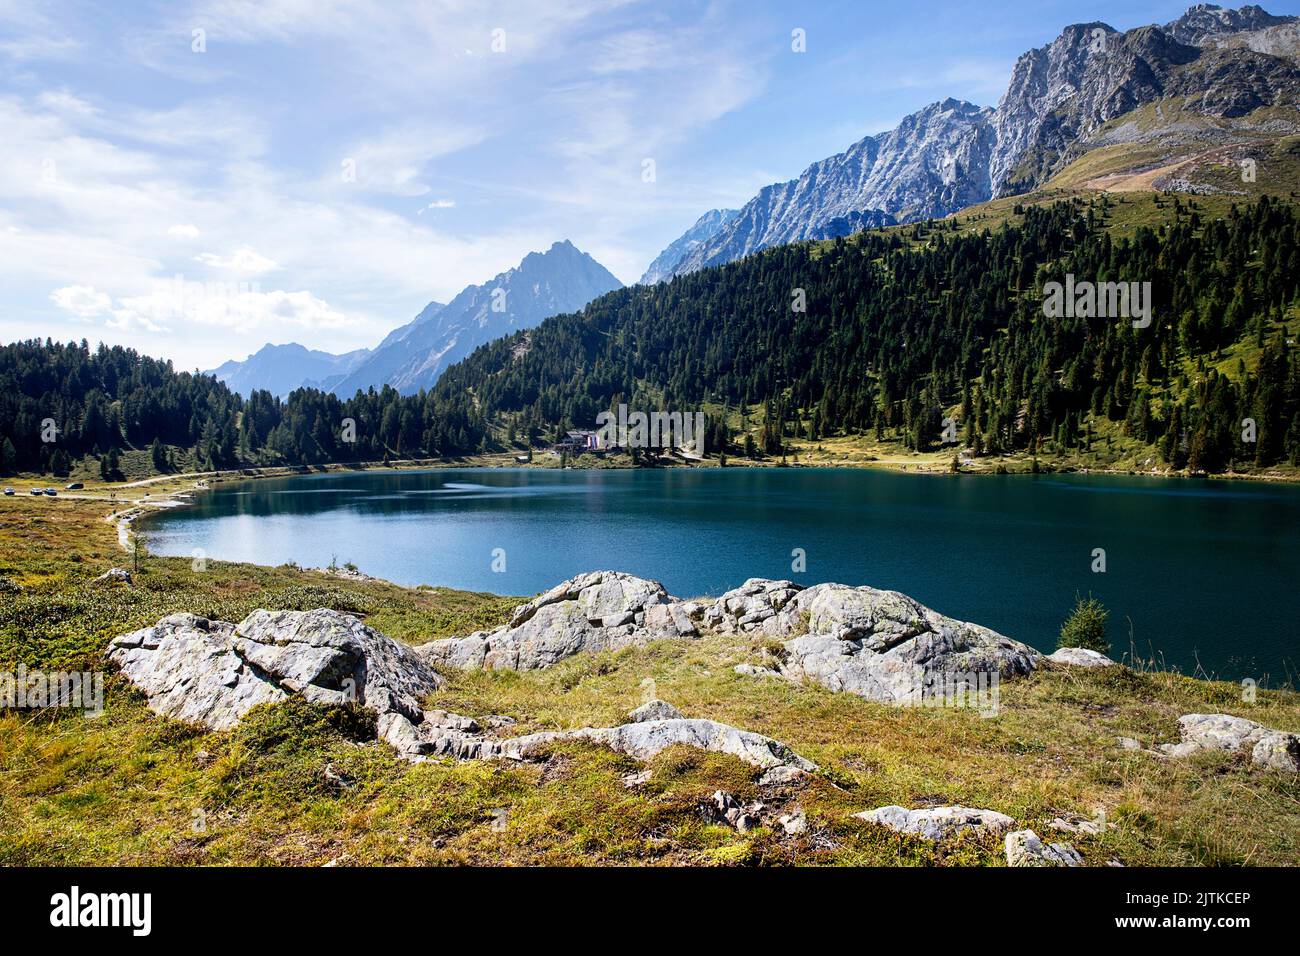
939	823
1269	748
642	739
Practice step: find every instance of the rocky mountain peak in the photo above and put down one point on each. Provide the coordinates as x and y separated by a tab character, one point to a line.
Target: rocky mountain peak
1207	21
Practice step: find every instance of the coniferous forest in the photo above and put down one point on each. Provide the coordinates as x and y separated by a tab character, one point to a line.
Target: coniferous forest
901	325
885	333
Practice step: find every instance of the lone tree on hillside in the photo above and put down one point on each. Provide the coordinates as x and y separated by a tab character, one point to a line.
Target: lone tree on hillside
1086	626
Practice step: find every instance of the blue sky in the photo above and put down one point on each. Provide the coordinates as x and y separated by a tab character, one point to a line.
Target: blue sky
321	169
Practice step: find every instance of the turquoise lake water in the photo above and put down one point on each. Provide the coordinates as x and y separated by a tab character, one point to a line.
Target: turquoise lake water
1206	571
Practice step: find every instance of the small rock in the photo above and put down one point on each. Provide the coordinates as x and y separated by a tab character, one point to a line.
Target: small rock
728	808
654	710
634	780
1128	743
335	778
793	823
1024	848
752	670
1081	824
1273	749
1080	657
780	775
115	576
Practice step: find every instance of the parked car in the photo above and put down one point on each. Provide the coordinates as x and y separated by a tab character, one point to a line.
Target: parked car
74	486
51	492
9	491
37	491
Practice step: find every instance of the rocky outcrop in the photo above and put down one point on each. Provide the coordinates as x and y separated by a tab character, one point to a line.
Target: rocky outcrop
939	823
1269	748
599	611
213	672
878	644
114	576
1024	848
1205	23
1080	657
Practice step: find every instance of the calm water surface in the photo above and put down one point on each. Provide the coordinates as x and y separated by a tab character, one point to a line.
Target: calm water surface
1206	571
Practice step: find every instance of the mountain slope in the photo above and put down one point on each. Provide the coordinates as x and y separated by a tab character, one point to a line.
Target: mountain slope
1063	93
281	368
562	279
934	163
705	228
951	155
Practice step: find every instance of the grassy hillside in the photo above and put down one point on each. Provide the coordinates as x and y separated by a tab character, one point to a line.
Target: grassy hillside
296	784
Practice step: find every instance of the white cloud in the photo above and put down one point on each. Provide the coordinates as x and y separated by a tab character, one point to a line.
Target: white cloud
545	139
438	204
242	260
83	301
237	307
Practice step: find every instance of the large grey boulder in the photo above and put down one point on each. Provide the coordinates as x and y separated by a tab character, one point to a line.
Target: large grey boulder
1024	848
598	611
213	672
878	644
1273	749
939	823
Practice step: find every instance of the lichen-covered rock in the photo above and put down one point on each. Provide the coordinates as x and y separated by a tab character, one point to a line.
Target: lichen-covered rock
213	672
884	646
1080	657
1024	848
598	611
114	576
939	823
1273	749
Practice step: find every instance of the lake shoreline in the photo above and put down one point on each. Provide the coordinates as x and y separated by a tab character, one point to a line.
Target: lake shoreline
183	497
